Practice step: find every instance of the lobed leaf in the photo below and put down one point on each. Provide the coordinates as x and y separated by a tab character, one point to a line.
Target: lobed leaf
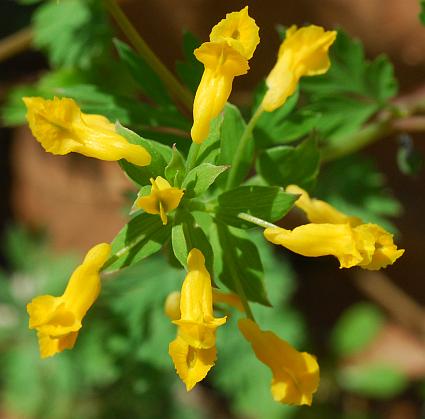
351	91
186	235
176	168
75	33
285	165
160	154
141	237
147	80
190	69
200	178
232	128
270	203
237	263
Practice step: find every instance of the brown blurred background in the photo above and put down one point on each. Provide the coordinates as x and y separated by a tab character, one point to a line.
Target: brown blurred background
79	201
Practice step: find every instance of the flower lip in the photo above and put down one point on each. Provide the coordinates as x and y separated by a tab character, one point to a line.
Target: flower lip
162	199
239	31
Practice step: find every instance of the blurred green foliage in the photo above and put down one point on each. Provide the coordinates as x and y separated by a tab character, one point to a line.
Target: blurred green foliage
120	367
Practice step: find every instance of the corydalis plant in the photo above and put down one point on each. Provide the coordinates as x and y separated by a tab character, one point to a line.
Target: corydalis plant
202	203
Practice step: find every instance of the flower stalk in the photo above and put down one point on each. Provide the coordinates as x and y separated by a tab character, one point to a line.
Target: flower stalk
240	151
180	93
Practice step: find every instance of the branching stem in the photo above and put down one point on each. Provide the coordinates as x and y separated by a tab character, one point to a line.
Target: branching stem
240	151
177	90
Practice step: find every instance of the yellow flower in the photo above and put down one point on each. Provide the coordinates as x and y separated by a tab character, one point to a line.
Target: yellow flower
61	128
193	351
172	302
295	374
319	240
239	31
222	64
197	325
320	212
233	41
304	52
192	364
172	305
163	199
58	319
331	232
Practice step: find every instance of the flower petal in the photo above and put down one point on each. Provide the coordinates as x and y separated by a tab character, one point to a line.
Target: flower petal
319	240
58	319
239	31
304	52
192	365
61	128
222	63
385	251
320	212
162	199
295	374
197	324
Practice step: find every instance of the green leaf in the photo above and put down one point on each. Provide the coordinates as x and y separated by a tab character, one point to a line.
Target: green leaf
356	328
285	165
187	235
148	81
160	154
422	12
351	91
270	203
237	262
140	238
378	381
199	179
296	126
268	130
190	69
176	168
209	150
75	33
232	128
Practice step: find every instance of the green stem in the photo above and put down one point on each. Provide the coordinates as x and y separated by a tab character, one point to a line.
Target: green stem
240	291
179	92
15	43
401	116
193	155
355	142
254	220
246	137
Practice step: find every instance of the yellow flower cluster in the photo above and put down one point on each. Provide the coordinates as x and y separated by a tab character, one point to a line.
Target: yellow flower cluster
61	128
331	232
232	44
295	374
